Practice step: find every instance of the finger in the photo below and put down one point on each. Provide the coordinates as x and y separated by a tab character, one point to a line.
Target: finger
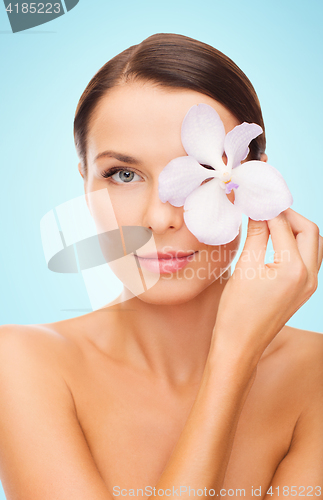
320	256
283	239
307	239
255	246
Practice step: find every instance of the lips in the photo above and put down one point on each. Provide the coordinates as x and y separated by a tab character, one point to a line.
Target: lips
166	263
167	255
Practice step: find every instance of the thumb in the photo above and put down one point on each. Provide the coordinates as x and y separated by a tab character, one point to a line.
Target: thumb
255	246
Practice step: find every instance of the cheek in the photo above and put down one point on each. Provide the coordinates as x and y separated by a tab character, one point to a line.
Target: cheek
221	257
113	207
102	210
213	261
127	206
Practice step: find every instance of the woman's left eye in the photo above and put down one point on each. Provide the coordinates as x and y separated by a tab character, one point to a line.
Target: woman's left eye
122	176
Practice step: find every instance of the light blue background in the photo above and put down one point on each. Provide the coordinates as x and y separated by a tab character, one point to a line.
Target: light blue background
277	43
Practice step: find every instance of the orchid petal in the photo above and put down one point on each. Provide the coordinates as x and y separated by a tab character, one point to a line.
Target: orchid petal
210	216
262	193
203	135
179	178
237	141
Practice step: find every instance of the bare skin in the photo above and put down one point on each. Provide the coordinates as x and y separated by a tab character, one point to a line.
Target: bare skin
200	385
131	419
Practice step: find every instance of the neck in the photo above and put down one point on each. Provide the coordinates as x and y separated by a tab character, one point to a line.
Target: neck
171	341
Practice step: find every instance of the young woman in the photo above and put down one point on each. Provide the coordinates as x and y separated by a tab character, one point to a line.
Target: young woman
195	387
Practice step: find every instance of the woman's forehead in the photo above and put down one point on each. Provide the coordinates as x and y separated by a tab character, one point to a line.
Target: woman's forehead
146	117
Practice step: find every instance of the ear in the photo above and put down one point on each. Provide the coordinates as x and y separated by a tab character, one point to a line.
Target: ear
263	157
80	169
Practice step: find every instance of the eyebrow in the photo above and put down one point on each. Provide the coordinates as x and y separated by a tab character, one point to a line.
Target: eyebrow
118	156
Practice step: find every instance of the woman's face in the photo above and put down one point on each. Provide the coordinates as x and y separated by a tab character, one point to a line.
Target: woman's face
136	131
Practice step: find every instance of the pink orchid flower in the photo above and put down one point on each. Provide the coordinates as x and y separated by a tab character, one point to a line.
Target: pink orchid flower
260	190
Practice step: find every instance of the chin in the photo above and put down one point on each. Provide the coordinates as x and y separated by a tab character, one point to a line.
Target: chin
178	290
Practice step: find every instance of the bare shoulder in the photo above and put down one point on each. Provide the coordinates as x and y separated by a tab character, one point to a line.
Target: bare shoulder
41	441
42	357
303	345
296	357
61	346
299	358
36	356
306	348
296	344
42	344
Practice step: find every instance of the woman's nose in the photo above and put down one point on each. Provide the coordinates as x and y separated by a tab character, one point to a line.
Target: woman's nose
159	216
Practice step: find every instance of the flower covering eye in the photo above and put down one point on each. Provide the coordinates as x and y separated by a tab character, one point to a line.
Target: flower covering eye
260	190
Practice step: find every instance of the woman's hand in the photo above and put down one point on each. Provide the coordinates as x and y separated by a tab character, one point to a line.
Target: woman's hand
259	298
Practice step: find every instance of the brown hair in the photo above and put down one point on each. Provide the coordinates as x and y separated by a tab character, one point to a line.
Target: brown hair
173	61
